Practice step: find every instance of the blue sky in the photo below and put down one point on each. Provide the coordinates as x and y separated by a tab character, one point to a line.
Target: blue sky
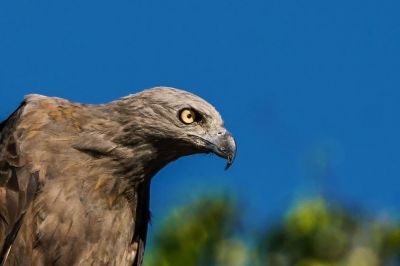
310	89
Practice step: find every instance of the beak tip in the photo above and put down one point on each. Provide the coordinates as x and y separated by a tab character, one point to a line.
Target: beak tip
230	160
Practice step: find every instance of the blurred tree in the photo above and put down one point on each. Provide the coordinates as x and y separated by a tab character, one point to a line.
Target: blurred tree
200	233
388	236
317	233
313	232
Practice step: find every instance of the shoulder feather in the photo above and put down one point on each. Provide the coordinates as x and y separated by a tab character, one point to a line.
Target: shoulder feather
18	185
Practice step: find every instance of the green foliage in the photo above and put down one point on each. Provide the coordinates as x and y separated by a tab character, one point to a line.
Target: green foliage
313	232
198	234
317	233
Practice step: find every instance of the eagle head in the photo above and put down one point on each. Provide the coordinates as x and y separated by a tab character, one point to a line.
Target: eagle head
175	123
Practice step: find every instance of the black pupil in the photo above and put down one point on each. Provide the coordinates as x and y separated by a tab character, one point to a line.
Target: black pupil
189	116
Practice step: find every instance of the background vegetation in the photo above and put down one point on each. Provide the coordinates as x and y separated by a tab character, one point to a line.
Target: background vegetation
313	232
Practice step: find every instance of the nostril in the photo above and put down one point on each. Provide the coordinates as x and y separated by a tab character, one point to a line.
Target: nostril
220	133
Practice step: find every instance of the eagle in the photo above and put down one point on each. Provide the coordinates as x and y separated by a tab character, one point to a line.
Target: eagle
75	178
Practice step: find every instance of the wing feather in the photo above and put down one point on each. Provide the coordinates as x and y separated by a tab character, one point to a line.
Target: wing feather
17	184
142	220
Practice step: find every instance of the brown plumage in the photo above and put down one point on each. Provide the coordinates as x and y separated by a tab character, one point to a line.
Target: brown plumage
75	178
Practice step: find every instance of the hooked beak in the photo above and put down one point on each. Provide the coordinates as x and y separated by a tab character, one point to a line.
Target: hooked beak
223	145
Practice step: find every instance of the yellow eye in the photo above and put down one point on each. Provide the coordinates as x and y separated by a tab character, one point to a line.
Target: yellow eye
188	116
